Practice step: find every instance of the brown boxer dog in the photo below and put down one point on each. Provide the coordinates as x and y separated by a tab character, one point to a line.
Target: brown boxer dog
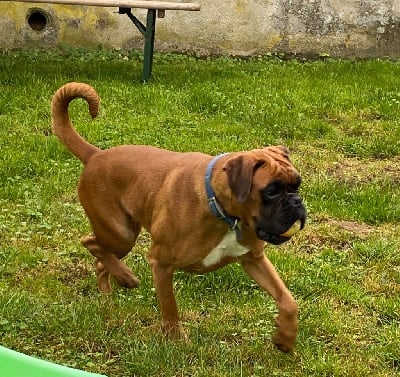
201	212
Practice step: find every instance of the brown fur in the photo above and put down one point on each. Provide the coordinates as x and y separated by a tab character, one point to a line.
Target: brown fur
125	188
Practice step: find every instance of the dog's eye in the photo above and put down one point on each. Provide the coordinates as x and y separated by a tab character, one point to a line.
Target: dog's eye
272	191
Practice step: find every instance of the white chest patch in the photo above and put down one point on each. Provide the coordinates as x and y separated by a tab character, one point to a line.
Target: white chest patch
228	247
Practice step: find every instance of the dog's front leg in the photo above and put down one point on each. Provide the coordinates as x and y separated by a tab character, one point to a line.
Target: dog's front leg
163	281
264	273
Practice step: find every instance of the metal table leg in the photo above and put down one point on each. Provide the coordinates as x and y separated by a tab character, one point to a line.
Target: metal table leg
149	44
148	31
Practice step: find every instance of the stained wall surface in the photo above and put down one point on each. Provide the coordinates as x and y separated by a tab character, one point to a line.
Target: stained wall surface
340	28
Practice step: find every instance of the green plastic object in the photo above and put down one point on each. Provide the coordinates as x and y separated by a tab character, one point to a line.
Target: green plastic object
15	364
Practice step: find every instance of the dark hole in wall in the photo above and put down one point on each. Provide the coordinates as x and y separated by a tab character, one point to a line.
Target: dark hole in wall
37	19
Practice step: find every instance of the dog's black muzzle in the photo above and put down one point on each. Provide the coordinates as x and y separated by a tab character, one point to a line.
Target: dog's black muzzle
271	230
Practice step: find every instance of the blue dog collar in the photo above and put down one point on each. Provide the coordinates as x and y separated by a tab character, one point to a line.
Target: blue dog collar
214	206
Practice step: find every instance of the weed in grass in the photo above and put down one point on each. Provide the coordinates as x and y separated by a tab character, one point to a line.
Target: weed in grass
341	121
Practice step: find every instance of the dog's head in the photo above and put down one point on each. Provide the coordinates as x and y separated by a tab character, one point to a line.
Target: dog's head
265	197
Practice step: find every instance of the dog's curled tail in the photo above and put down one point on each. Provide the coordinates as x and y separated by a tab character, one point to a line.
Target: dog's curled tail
61	123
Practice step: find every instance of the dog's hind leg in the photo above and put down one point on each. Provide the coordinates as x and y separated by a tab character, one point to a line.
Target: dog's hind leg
109	263
102	273
103	277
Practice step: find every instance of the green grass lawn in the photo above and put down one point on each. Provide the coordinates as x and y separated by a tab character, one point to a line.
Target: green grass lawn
341	120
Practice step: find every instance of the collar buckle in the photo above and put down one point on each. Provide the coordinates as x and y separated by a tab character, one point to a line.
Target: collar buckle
235	224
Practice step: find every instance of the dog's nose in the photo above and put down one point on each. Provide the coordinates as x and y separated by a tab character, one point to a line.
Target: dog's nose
295	200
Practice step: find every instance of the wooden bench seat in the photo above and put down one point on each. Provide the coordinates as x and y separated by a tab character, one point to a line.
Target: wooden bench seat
125	7
144	4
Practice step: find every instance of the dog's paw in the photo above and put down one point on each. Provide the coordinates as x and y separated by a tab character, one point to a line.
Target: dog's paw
128	280
174	330
286	332
282	343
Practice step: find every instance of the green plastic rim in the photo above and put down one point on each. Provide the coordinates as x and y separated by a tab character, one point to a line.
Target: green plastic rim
15	364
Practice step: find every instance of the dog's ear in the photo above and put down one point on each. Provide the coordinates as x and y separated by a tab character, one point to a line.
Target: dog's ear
285	151
280	149
240	171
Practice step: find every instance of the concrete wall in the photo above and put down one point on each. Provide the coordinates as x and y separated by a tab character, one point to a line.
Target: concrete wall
346	28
